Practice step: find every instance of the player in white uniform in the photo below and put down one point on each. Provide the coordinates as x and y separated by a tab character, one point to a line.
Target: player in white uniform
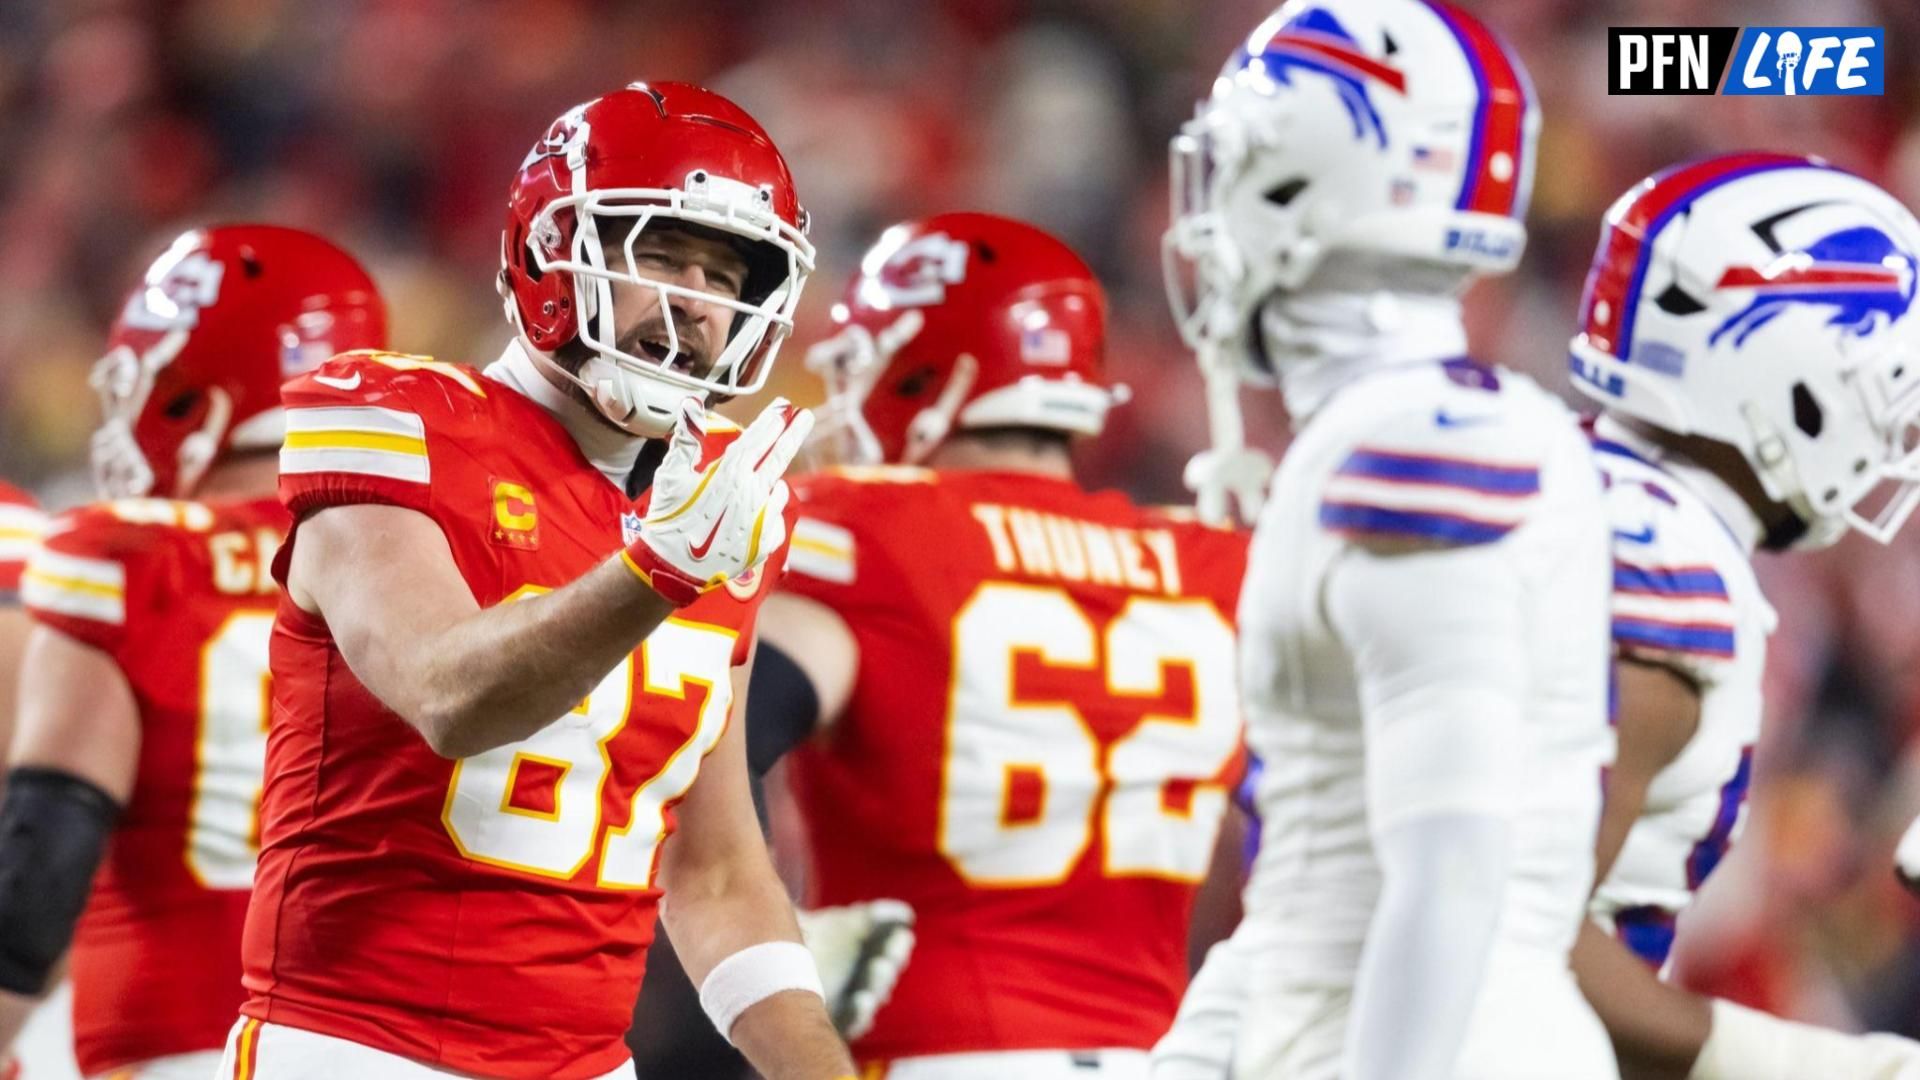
1746	329
1760	395
1424	617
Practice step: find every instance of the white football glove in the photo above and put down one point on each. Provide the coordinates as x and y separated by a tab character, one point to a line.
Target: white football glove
860	950
1229	473
717	506
1746	1044
1223	480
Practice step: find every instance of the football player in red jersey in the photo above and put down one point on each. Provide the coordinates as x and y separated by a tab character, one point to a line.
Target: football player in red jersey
142	698
20	526
1017	695
501	687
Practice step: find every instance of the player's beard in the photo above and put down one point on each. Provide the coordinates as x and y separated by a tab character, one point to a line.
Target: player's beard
695	357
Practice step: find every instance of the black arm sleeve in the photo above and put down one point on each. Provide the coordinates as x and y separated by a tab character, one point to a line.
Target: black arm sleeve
782	708
53	832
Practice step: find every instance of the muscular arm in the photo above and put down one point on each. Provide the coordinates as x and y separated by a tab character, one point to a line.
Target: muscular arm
1656	713
1670	1034
14	625
76	716
1661	1032
802	677
468	679
721	895
1442	686
1657	1029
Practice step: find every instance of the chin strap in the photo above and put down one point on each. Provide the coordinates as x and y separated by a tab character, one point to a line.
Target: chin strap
198	450
1229	473
931	425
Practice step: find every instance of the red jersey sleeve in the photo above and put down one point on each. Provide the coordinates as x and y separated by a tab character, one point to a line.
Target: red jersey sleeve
368	427
96	563
21	524
832	556
376	428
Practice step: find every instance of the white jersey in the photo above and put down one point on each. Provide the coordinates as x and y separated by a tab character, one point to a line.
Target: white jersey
1685	597
1448	467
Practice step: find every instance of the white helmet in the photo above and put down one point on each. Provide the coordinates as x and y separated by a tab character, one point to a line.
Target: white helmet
1762	300
1397	131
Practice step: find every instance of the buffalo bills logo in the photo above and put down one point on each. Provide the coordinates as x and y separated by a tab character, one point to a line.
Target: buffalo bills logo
1860	273
1315	41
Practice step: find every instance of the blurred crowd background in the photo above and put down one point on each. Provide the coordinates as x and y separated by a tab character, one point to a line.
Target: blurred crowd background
393	126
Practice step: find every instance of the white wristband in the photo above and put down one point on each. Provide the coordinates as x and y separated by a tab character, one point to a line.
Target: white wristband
753	975
1746	1044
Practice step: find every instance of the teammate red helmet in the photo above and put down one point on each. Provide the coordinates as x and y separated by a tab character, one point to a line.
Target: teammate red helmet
195	361
963	321
647	155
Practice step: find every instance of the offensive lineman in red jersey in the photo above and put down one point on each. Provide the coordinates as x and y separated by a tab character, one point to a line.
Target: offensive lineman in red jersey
501	686
1018	694
20	526
143	708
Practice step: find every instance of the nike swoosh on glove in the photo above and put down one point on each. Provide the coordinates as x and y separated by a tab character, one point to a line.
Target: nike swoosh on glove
717	505
860	950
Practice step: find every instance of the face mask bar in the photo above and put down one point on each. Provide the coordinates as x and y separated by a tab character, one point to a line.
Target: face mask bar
741	366
850	363
1188	243
124	380
1198	263
1880	512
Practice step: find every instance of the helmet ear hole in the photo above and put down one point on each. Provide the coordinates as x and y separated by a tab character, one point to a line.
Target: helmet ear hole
1285	192
182	405
915	384
1675	300
1806	411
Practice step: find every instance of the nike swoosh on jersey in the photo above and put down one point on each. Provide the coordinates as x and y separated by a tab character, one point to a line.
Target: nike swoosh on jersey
699	551
1443	418
339	384
1644	536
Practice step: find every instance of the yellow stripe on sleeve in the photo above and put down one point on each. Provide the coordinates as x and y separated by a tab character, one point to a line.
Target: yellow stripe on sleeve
356	440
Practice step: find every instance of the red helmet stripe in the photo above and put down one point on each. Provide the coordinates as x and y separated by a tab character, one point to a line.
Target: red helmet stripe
1619	267
1494	166
1323	47
1737	277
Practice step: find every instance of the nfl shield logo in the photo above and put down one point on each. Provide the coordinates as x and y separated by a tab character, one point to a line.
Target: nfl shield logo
629	527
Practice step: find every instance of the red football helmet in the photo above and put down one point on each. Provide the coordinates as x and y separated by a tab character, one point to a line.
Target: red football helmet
968	321
195	361
651	152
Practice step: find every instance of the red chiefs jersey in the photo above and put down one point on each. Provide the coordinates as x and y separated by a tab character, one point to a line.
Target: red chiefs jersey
488	915
1036	753
20	526
181	596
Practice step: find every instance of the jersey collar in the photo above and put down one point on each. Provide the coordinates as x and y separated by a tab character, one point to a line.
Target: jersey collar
610	451
1321	342
1613	437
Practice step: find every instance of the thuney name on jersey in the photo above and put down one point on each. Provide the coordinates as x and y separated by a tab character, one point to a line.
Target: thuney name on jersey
1036	754
1039	544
